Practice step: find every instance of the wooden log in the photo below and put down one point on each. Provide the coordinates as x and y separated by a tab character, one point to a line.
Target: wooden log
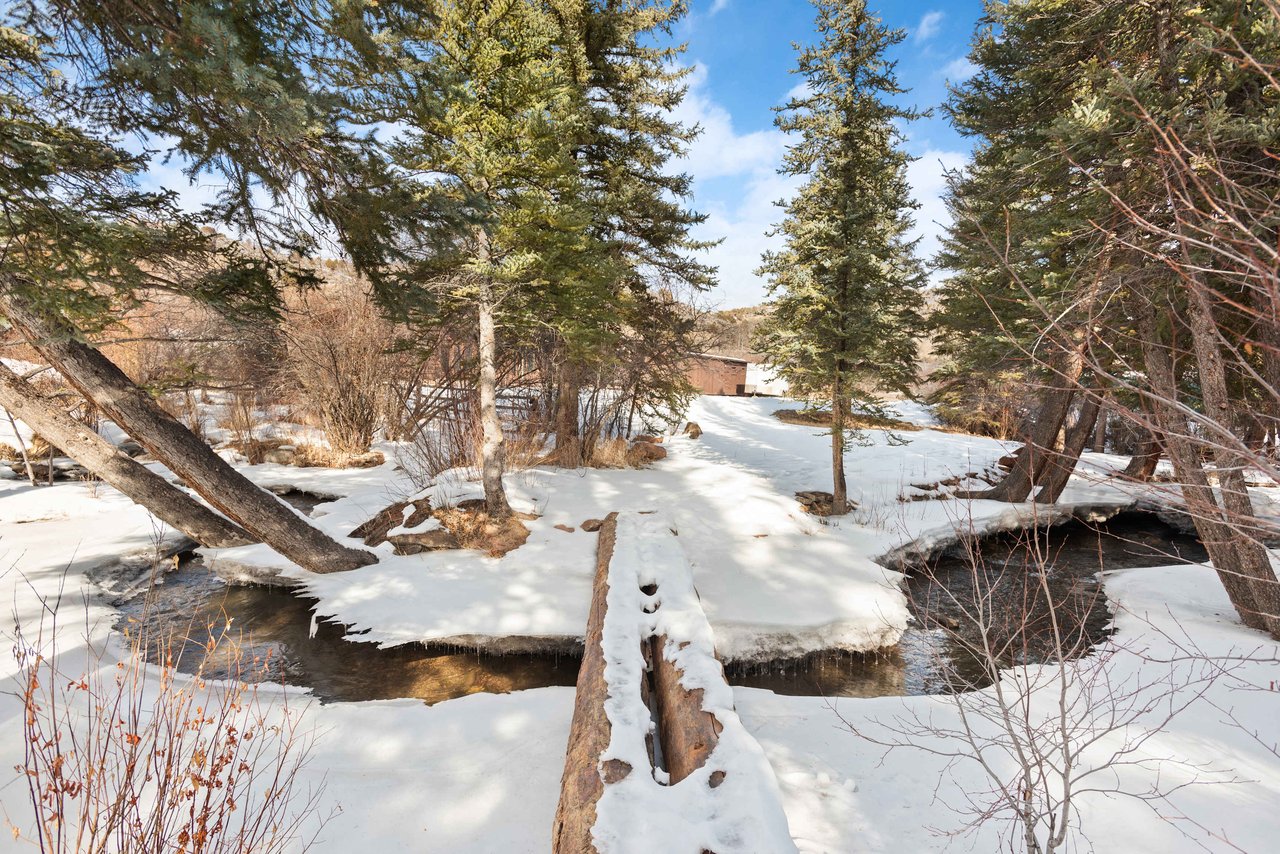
687	733
584	779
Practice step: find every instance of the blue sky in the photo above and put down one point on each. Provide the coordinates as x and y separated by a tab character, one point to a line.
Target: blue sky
742	51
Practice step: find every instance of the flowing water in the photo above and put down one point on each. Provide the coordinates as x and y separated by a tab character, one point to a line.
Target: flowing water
270	633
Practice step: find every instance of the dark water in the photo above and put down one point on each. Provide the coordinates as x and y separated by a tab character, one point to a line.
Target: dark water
990	600
263	632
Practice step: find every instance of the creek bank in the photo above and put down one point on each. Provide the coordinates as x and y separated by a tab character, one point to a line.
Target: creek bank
280	626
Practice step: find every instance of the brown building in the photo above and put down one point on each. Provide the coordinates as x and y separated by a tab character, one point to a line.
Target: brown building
712	374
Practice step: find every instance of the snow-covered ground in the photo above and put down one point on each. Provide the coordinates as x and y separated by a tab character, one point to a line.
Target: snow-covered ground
481	774
776	581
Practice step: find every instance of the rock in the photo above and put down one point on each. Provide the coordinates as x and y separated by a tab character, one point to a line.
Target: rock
645	437
416	542
374	532
692	430
592	525
642	453
564	528
282	456
818	503
131	448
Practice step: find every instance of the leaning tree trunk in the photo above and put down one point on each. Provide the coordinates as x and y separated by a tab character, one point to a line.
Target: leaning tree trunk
1220	540
1038	446
1231	463
139	415
839	488
1057	473
165	501
492	461
1142	465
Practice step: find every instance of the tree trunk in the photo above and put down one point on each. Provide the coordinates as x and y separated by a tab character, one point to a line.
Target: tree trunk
165	501
1057	472
1039	445
1220	541
22	446
138	414
839	489
569	451
492	463
1099	444
1231	463
1142	467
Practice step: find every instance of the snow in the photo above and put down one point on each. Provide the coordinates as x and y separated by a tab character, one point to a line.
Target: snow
637	814
481	774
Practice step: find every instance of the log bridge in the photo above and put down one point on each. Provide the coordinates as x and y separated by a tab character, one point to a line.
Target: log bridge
651	691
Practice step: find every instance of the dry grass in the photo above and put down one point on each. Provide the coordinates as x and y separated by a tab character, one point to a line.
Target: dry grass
610	454
318	456
822	418
476	530
9	453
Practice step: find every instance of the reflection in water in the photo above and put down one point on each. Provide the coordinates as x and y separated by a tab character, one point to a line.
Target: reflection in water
934	654
274	632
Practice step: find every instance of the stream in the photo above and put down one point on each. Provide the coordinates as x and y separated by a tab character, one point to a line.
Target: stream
260	632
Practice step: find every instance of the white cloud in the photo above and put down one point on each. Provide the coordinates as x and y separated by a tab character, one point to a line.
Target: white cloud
718	5
929	26
959	70
720	151
740	209
928	183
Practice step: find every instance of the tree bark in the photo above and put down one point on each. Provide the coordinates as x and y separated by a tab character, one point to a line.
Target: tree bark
584	777
1220	541
1099	444
1254	560
22	446
121	400
1142	466
839	488
569	451
492	462
688	734
165	501
1057	472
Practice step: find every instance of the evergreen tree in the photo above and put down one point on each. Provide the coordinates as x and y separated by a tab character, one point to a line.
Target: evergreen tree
627	82
482	97
845	290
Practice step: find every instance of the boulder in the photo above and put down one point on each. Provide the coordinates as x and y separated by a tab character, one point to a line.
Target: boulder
416	542
642	453
692	430
645	437
282	456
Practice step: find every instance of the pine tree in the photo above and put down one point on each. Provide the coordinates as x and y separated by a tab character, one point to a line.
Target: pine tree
845	290
1076	235
627	80
482	95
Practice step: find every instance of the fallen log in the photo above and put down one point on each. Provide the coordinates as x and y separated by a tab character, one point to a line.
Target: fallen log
584	778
